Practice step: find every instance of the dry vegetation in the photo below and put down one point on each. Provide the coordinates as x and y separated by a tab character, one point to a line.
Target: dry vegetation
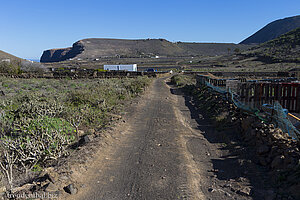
15	67
40	119
183	80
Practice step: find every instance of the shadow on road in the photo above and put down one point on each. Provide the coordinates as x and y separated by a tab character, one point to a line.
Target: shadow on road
236	168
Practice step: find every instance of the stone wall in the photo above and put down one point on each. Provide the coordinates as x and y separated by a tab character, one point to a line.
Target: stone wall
83	74
273	149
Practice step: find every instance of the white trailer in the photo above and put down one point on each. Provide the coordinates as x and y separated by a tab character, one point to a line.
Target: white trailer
132	68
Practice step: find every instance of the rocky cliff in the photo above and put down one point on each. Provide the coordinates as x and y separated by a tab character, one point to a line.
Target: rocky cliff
55	55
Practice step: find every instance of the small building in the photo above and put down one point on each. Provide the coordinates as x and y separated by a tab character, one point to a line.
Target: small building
6	60
156	57
132	68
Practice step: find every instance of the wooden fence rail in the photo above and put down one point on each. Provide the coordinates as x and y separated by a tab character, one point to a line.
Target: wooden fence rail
255	94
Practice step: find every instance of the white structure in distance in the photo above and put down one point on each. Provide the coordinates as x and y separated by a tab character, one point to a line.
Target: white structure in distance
132	68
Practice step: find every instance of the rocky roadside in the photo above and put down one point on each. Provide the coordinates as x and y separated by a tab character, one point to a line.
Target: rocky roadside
268	152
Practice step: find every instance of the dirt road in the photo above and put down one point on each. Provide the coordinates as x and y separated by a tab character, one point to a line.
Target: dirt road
159	153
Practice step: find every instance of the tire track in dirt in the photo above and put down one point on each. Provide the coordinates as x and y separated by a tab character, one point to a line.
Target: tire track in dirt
147	158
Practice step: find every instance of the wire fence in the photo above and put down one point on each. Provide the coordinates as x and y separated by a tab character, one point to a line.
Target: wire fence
274	113
282	120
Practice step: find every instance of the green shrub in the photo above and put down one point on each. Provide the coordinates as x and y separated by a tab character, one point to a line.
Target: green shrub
39	126
35	141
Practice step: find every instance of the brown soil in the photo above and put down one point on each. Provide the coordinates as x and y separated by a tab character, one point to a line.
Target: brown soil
166	149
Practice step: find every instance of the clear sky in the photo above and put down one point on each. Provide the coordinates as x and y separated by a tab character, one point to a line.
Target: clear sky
30	26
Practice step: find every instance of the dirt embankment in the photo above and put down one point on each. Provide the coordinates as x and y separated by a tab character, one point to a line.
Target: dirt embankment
272	152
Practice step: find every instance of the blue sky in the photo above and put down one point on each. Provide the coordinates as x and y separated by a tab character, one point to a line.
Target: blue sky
30	26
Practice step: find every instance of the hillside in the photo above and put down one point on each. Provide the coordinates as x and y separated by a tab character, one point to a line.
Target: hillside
285	48
212	49
9	63
4	56
273	30
96	48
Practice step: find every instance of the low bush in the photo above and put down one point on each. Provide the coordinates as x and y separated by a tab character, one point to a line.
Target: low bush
11	67
28	66
39	122
183	80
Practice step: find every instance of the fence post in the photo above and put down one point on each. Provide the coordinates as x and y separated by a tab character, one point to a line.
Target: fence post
297	98
288	97
267	94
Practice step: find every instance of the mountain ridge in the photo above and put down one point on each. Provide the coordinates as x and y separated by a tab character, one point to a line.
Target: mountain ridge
273	30
4	55
95	48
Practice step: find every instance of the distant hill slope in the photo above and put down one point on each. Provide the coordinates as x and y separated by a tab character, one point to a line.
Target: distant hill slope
99	48
212	49
12	64
284	48
273	30
4	55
